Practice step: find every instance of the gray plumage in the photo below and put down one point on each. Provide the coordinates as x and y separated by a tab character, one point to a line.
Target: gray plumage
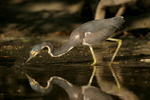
74	92
99	31
89	33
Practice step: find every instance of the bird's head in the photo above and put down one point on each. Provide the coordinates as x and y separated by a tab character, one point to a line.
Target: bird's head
34	51
37	48
37	87
34	84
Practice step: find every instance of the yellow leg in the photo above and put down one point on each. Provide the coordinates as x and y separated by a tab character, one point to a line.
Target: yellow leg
93	73
116	79
112	59
119	44
94	58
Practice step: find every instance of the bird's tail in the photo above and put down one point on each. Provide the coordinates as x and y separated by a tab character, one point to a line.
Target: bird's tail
119	20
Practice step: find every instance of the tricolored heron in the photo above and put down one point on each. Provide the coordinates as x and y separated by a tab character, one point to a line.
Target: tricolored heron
74	92
92	32
89	33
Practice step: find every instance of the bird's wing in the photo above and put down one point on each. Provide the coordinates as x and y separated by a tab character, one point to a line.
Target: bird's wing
98	30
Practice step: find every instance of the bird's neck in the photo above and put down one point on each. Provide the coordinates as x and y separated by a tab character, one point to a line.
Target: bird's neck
61	82
74	92
58	81
60	51
47	89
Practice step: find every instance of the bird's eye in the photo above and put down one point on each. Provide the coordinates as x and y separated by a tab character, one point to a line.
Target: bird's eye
34	83
35	52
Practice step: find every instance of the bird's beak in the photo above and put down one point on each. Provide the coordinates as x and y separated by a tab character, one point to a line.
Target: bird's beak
31	80
31	56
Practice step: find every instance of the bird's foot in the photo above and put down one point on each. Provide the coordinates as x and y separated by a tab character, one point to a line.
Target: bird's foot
94	63
110	64
115	90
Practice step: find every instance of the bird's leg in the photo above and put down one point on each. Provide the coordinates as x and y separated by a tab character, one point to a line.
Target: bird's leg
91	78
112	59
93	64
94	58
119	44
116	79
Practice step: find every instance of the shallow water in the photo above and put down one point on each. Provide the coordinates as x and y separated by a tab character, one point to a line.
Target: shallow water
74	67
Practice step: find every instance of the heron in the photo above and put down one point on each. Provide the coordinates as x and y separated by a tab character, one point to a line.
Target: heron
74	92
89	33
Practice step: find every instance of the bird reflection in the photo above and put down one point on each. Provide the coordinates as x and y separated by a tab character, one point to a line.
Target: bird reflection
74	92
108	86
123	94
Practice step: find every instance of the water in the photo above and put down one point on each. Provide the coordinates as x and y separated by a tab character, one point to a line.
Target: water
74	67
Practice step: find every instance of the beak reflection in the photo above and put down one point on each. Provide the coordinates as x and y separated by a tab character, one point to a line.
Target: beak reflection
31	80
